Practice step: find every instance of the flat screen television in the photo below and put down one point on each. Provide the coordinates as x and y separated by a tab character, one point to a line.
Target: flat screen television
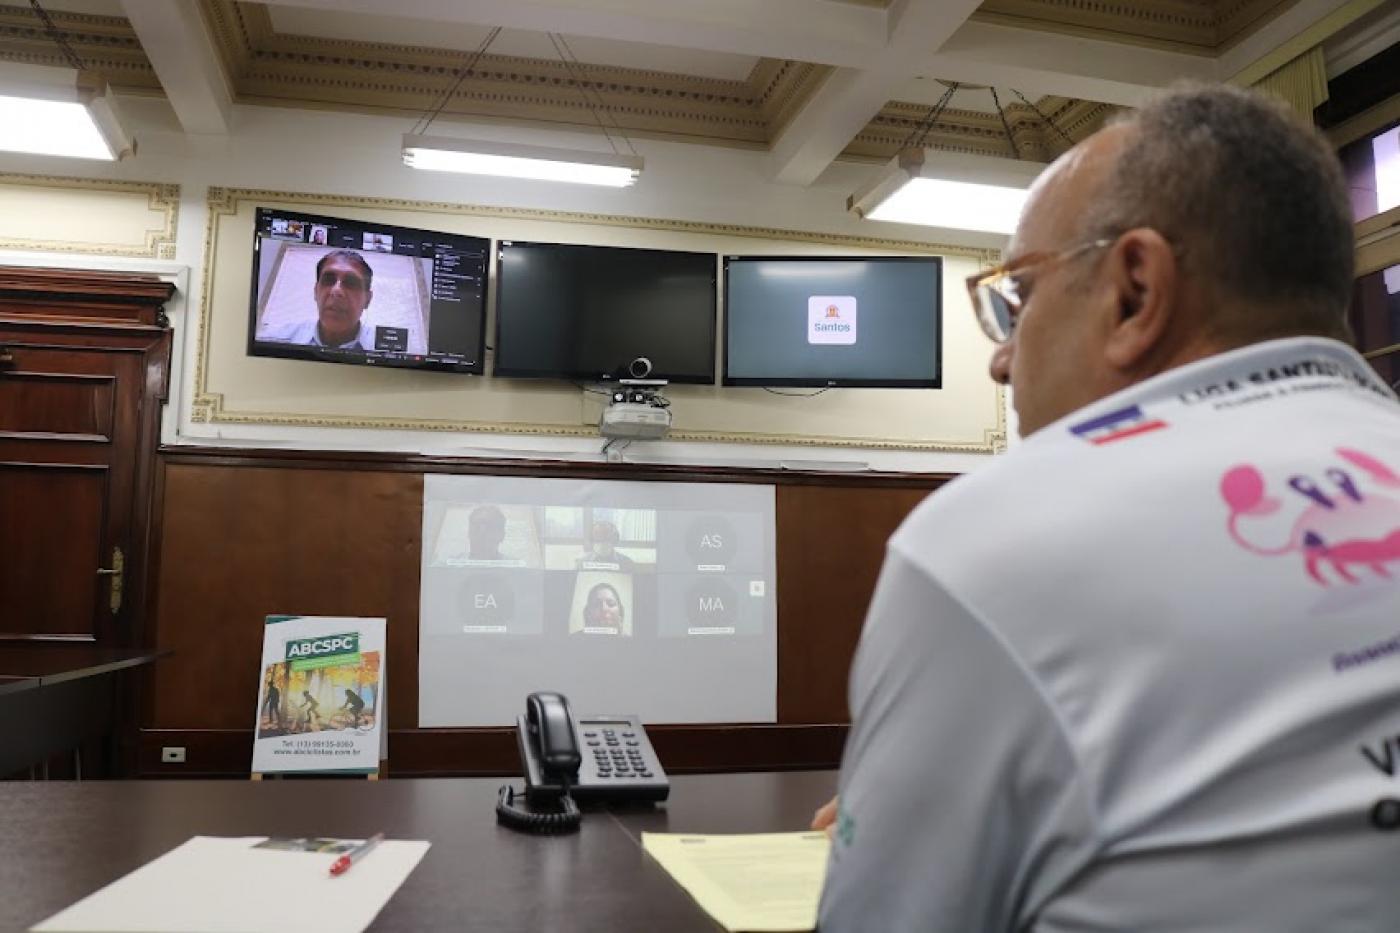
592	312
351	291
869	322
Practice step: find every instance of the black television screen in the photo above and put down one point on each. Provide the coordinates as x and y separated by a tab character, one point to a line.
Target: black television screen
587	312
349	291
842	322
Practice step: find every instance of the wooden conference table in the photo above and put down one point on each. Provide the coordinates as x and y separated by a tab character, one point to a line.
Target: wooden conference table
66	840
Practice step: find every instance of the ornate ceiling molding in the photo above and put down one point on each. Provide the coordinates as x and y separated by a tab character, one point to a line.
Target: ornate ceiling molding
1180	25
106	43
1234	19
268	67
980	133
783	86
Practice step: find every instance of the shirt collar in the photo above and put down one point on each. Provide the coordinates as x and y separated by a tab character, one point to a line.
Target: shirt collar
1255	366
350	344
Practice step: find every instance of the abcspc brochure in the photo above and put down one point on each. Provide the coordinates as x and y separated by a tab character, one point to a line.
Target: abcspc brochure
320	695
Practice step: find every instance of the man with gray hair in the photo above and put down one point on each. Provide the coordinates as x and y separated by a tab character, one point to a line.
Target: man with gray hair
342	292
1143	673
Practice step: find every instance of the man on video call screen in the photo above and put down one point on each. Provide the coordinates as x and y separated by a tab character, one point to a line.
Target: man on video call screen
342	291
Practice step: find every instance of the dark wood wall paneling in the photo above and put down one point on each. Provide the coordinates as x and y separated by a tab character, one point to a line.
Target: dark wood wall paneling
244	533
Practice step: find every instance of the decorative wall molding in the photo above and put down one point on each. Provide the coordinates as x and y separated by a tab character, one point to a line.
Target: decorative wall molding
227	200
151	237
209	406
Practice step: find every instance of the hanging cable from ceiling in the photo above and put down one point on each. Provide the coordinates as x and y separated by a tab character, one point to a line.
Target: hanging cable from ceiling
574	68
426	120
920	132
1015	149
518	159
59	39
597	105
1038	112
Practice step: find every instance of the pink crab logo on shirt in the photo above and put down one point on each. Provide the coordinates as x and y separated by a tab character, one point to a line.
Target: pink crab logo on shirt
1343	527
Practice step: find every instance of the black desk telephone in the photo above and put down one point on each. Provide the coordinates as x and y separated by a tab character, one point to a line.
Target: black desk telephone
601	758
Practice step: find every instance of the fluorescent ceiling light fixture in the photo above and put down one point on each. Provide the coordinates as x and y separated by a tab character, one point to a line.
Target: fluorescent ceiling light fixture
952	190
513	160
60	112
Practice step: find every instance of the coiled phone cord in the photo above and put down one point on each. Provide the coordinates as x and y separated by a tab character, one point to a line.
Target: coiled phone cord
511	814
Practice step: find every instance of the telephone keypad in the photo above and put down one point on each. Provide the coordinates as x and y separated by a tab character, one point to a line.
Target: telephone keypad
624	763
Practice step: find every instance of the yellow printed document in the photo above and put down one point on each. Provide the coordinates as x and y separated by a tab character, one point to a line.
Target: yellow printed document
760	883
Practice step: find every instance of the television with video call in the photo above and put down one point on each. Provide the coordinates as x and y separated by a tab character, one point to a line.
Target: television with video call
350	291
833	322
591	313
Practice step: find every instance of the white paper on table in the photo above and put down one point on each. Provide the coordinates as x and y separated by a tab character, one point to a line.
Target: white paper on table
222	885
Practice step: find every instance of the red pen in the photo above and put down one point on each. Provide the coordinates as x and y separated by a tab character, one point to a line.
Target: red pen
342	864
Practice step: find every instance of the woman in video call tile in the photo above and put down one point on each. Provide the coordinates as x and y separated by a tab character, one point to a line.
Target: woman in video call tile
603	610
601	552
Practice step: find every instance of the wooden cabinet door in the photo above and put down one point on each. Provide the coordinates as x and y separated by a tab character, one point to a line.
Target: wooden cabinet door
79	405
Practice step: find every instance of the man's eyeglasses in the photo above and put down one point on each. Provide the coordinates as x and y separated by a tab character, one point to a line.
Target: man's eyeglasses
350	281
999	294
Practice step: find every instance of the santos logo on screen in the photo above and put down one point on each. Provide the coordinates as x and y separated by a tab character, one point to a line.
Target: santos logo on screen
831	319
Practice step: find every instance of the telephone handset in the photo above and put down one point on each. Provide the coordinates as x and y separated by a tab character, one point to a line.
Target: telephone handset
603	758
548	746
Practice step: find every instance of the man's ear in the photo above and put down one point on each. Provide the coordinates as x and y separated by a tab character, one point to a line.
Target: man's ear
1142	270
369	296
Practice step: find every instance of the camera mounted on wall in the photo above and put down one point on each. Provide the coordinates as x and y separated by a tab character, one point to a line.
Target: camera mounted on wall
636	408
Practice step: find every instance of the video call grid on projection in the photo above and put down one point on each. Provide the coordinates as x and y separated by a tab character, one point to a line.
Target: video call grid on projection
647	598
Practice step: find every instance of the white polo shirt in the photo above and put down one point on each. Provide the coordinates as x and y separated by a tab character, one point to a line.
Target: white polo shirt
1143	673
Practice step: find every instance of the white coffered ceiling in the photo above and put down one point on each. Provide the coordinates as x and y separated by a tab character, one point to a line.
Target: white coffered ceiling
807	80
